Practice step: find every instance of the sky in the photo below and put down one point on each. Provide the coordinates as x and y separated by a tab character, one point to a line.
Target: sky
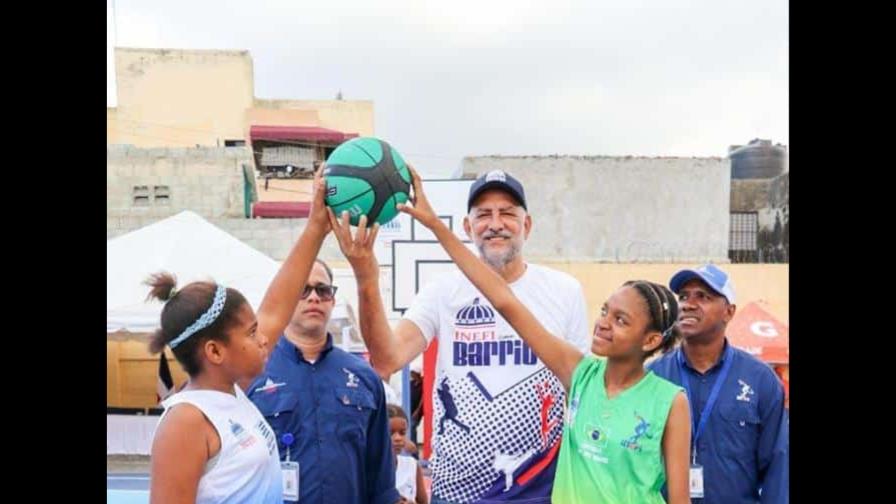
496	77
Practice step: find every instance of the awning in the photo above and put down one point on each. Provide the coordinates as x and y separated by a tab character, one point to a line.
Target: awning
307	133
281	209
760	333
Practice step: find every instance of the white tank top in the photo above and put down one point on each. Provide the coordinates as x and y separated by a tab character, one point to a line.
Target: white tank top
406	477
247	468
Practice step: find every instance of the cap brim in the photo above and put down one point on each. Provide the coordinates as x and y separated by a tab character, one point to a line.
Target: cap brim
494	184
684	276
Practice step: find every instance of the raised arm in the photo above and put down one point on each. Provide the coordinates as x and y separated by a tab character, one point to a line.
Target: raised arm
389	349
558	355
283	294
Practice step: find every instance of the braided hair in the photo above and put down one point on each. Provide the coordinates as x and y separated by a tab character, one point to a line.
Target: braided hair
662	307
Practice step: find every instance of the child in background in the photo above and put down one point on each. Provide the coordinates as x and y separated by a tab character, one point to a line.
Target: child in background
408	475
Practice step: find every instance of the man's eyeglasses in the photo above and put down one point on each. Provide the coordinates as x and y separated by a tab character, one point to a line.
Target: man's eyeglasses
324	292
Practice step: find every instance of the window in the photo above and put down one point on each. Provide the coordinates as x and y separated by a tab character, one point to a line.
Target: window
234	143
141	195
160	194
742	241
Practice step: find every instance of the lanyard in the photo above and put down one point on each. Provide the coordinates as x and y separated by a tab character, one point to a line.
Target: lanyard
288	439
697	428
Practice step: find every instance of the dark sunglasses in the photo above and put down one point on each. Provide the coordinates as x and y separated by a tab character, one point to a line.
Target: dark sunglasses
324	292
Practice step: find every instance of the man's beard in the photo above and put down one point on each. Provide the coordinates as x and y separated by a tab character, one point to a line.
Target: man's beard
498	260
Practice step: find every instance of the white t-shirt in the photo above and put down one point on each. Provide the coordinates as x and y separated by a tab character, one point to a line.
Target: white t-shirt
406	477
247	469
496	409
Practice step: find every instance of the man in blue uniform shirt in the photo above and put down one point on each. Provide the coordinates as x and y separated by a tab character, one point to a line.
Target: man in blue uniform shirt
739	434
327	407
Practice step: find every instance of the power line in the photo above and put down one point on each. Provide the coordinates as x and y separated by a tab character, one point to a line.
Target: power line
299	143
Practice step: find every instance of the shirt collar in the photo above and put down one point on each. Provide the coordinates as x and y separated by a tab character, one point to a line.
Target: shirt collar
295	353
684	358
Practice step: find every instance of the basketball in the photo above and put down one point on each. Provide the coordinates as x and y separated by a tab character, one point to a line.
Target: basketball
366	176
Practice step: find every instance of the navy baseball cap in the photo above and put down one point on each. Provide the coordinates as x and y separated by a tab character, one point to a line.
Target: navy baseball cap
715	278
497	179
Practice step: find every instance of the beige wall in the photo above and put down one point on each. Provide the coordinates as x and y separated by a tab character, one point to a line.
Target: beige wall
181	97
348	116
280	117
768	284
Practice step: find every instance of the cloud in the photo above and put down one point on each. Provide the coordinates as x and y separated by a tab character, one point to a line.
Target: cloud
467	77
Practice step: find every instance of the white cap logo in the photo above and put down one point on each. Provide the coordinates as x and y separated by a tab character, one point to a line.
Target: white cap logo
496	175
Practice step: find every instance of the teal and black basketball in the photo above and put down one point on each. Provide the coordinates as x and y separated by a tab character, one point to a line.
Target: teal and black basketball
366	176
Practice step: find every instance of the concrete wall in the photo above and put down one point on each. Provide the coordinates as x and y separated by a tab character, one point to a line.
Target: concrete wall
206	180
584	210
750	195
179	98
622	209
273	237
779	191
770	199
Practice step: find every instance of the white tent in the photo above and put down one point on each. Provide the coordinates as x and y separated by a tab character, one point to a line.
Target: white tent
191	248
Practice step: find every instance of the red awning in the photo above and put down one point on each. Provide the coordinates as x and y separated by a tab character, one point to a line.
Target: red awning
761	334
308	133
281	209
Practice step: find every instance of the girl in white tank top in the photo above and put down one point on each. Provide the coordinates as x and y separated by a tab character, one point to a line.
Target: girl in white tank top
211	445
247	467
408	475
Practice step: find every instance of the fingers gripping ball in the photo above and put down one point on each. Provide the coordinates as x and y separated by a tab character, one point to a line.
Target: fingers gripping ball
366	176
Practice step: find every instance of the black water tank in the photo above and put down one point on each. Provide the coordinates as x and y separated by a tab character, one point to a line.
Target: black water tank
757	160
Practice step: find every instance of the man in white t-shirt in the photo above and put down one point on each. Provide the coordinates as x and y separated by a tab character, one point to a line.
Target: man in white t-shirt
497	410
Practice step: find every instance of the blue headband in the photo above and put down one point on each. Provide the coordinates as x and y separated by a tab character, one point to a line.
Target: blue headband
206	319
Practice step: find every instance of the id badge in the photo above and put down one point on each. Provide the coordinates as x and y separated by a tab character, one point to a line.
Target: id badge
290	472
696	481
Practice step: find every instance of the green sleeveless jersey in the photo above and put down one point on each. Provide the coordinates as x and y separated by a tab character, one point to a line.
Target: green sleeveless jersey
612	448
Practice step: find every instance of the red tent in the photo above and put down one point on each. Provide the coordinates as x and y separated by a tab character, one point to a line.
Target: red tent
761	334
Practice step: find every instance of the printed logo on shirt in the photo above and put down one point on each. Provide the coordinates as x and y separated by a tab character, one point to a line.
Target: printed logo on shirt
745	392
595	443
265	430
269	386
243	437
351	379
641	427
477	343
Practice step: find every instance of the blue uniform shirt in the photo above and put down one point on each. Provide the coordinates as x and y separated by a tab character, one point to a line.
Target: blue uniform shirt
335	409
745	444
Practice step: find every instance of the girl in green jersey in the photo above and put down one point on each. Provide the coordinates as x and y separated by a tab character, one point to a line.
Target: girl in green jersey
627	431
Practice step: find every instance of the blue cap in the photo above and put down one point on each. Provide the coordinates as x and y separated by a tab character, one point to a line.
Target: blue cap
716	279
497	179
